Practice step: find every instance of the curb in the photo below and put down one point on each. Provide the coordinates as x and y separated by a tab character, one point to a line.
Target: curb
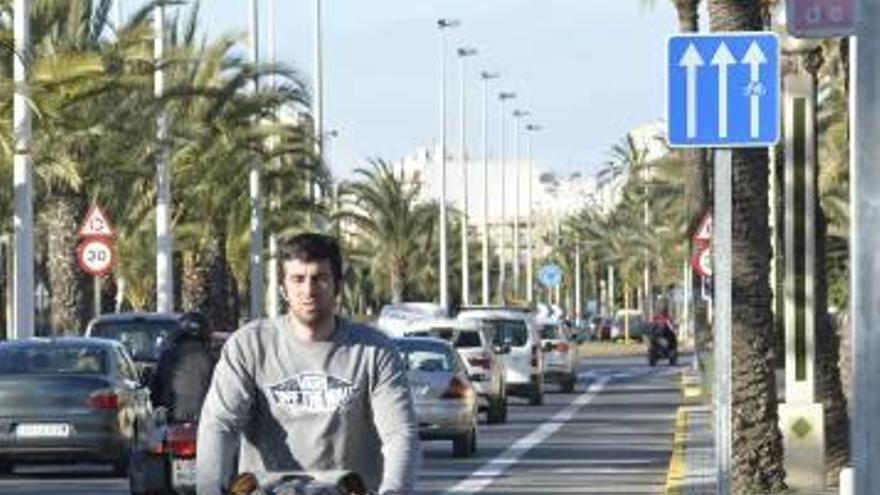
677	467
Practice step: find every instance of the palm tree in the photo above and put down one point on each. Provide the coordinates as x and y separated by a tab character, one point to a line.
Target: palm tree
392	230
757	443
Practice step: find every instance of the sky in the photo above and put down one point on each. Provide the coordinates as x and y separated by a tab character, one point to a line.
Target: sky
586	70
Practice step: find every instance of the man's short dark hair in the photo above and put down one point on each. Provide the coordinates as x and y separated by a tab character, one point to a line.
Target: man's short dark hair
312	247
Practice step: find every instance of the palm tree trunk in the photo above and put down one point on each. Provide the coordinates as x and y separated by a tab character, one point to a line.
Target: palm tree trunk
69	304
757	464
207	282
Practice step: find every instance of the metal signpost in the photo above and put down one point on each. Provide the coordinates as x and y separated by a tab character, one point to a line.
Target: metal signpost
95	253
723	92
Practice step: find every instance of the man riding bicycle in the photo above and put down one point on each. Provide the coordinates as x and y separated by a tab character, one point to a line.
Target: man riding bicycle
309	391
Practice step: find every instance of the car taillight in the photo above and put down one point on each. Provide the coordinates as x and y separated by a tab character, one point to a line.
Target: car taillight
561	347
458	389
181	440
480	361
105	400
535	352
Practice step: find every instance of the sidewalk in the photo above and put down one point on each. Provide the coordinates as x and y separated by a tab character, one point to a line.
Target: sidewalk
692	467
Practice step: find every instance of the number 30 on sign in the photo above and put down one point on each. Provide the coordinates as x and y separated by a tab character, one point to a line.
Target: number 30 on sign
95	256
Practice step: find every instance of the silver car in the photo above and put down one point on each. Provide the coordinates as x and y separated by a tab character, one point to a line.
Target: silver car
70	400
445	401
483	362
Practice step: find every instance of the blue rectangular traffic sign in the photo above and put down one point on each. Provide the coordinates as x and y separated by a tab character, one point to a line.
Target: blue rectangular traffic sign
722	90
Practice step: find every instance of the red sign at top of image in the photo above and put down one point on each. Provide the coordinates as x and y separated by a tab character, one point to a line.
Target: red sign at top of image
96	224
822	18
703	235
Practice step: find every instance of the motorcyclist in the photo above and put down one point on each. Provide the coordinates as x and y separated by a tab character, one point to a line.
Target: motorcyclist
183	373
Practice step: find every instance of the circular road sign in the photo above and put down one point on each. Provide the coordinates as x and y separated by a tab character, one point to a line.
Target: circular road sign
95	256
702	261
550	275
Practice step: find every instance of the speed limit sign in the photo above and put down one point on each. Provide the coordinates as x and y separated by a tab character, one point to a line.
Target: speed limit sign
95	256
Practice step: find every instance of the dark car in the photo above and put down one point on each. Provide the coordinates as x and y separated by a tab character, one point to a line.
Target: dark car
70	400
143	334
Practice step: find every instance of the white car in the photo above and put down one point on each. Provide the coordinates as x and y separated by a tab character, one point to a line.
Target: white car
516	338
485	368
560	354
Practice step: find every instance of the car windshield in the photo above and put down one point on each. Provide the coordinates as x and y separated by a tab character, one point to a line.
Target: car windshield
52	360
509	332
550	332
143	339
425	356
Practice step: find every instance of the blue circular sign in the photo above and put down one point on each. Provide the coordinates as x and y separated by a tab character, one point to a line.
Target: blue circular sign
550	275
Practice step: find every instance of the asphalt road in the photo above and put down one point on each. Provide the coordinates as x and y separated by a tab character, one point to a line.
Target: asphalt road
612	436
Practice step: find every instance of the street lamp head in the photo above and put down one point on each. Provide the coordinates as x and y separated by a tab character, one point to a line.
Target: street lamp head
448	23
466	51
489	75
533	127
521	113
506	95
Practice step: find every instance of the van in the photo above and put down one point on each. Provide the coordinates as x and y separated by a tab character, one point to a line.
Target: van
516	336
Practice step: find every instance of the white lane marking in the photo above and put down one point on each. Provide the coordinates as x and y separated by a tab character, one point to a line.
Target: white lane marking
482	477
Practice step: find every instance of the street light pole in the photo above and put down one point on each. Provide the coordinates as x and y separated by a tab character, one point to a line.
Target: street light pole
517	114
502	263
22	179
463	54
256	246
273	307
318	104
530	280
443	25
164	237
486	76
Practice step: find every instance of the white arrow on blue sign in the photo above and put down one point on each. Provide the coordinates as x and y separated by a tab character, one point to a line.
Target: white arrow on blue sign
550	275
723	89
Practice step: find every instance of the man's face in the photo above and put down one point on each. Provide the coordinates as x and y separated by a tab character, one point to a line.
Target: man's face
310	289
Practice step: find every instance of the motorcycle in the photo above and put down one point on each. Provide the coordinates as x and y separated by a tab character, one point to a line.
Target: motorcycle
662	345
168	465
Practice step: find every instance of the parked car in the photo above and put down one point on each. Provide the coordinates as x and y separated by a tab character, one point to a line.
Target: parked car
637	325
560	354
142	334
445	401
515	329
473	341
70	400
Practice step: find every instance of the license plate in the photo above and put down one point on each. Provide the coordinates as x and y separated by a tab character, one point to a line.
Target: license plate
183	472
42	430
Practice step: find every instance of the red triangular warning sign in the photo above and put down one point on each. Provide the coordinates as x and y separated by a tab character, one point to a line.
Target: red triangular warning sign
96	224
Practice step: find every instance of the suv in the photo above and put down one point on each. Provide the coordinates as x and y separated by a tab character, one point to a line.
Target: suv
142	334
473	341
515	334
559	354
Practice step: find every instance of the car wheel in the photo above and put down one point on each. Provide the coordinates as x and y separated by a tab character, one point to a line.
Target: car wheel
463	445
536	397
497	410
568	384
6	467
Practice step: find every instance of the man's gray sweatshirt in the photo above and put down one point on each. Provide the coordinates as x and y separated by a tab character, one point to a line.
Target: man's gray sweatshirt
277	403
